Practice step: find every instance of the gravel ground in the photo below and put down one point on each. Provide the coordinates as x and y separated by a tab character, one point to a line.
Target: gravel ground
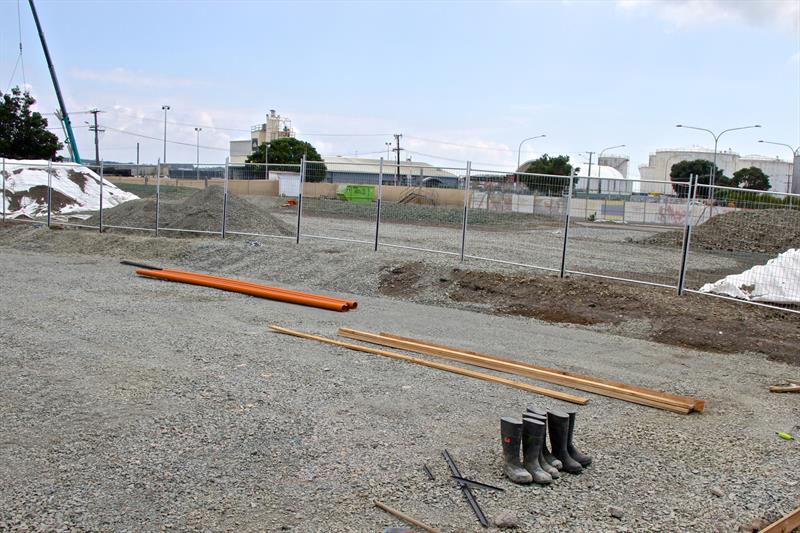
130	404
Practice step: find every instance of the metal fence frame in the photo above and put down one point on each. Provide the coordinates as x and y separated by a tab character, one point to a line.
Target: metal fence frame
465	180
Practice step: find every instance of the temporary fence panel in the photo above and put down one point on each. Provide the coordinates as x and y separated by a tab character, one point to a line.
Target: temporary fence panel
614	231
747	247
261	207
340	201
517	218
422	207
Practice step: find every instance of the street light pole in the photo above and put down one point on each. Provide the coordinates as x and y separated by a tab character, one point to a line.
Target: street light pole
795	154
716	142
198	130
519	155
599	181
165	108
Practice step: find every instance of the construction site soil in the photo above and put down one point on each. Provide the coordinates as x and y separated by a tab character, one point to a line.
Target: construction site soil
693	321
131	404
766	231
198	211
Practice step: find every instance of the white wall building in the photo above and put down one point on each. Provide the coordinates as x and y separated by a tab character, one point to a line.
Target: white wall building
660	163
604	180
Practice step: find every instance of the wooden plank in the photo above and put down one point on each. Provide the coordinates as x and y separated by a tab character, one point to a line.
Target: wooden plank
785	524
404	517
695	404
580	400
516	368
785	388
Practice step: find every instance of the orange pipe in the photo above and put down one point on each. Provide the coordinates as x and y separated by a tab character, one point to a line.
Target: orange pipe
264	292
350	304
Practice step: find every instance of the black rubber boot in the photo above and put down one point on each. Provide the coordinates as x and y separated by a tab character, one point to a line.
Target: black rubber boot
558	422
582	458
511	437
532	442
543	462
541	414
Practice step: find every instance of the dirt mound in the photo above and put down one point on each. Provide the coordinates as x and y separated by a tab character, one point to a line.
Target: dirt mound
202	211
770	231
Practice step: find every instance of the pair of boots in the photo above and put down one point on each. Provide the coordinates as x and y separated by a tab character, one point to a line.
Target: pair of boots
538	464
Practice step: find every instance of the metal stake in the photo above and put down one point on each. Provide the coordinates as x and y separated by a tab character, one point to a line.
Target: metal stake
466	490
566	230
49	191
466	210
687	232
378	212
225	199
101	197
158	194
300	199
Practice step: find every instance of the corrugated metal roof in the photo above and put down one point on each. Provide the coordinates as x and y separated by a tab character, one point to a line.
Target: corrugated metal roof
360	165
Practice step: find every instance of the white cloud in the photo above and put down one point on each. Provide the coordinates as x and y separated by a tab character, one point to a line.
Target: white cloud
138	79
683	14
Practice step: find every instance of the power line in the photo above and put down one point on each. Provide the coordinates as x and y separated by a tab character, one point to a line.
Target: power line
463	145
143	136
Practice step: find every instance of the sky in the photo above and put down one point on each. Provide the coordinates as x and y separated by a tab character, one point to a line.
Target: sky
459	80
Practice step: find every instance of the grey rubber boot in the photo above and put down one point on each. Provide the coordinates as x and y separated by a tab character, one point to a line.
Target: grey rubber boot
582	458
541	414
511	437
532	442
548	467
558	422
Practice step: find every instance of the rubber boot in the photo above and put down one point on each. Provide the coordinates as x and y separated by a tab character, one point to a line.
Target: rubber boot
532	441
559	436
541	414
543	462
511	437
582	458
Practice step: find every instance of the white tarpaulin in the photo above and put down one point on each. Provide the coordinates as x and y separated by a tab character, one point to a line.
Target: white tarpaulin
75	188
777	282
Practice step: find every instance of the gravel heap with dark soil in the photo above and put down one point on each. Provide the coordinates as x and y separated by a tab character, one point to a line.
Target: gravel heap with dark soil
769	231
201	211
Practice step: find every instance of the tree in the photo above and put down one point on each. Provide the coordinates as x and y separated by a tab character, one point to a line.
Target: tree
701	168
23	133
751	178
289	151
553	166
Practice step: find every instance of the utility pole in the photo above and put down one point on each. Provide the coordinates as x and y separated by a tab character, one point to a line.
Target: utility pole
96	130
137	159
397	149
589	173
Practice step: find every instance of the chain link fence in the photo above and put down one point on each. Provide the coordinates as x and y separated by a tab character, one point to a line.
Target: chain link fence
690	237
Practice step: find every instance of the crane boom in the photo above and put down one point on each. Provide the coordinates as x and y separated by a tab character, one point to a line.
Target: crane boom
73	147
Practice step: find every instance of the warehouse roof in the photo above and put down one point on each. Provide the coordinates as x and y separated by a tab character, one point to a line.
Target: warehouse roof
372	166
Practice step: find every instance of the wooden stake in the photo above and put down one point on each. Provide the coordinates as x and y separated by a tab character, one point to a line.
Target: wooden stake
580	400
620	391
785	524
404	517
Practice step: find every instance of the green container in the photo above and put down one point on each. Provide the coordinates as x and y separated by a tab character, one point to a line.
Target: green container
358	194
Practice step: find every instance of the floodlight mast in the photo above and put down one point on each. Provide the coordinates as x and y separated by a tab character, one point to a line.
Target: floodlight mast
71	144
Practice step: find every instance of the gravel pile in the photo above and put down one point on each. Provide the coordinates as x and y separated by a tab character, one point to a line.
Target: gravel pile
769	231
201	211
130	404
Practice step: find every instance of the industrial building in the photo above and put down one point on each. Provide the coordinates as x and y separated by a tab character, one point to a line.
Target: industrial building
660	163
275	127
360	170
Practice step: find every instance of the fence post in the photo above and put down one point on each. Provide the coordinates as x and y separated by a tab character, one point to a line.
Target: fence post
225	198
101	196
466	209
49	191
691	193
158	194
3	172
563	270
378	212
300	199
